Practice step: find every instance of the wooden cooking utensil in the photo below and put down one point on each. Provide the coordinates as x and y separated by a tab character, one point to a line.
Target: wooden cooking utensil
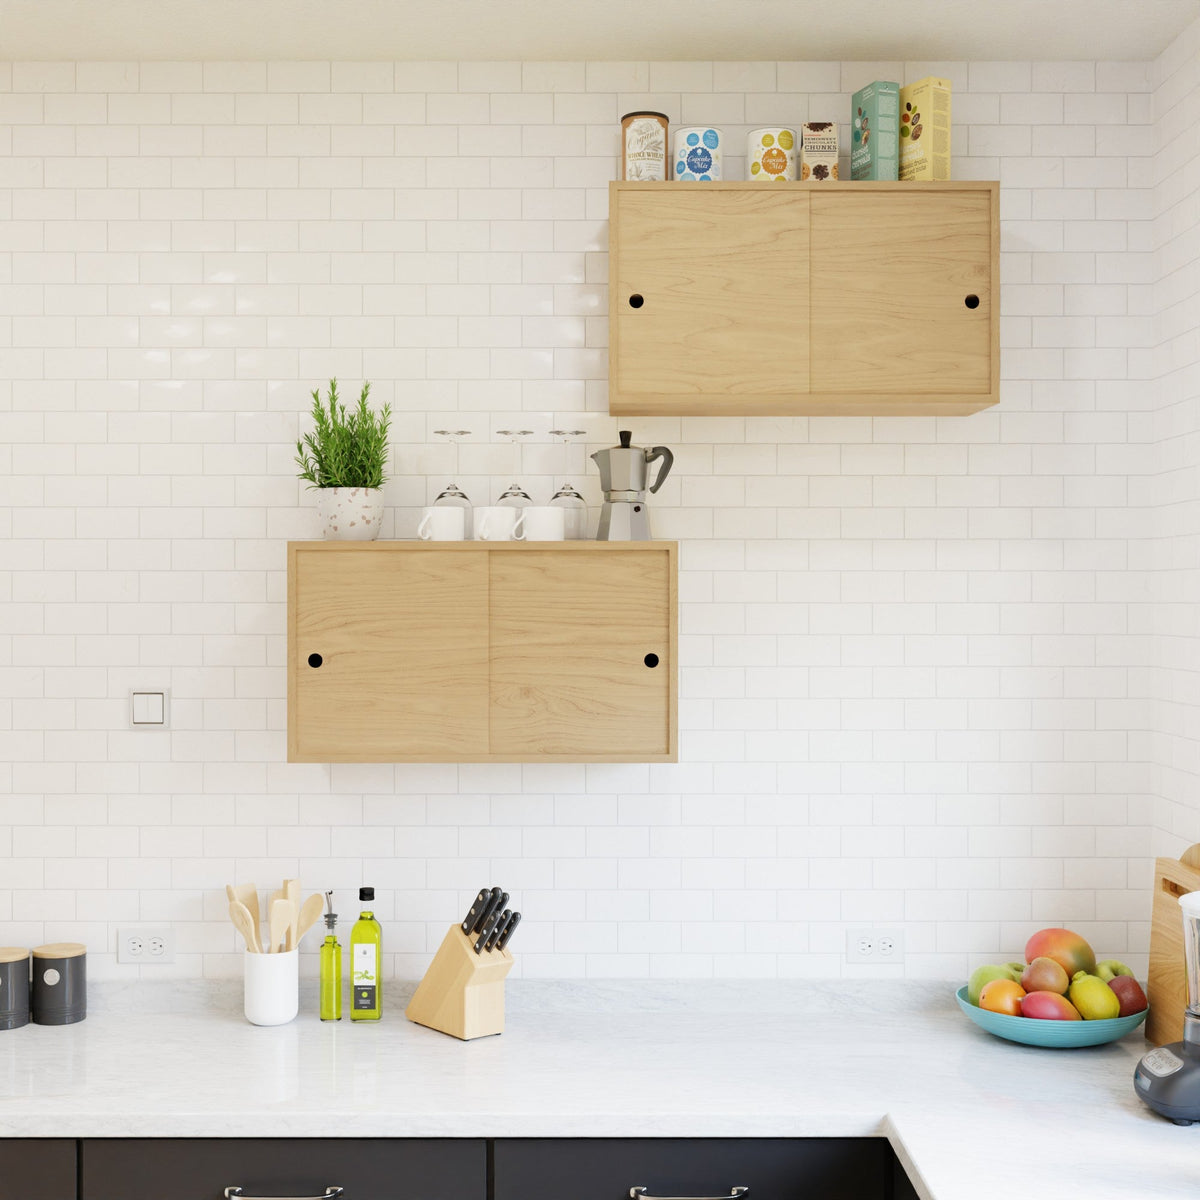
1166	985
247	894
244	923
310	914
281	920
291	892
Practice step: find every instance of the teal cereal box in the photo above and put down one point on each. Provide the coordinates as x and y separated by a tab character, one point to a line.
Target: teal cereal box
925	129
875	132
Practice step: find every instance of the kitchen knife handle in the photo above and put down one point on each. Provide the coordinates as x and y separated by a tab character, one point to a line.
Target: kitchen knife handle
640	1193
330	1193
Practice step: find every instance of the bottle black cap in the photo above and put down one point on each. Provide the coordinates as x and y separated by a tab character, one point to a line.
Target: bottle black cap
366	893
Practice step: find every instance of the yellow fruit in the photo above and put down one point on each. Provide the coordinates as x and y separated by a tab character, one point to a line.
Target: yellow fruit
1003	996
1093	997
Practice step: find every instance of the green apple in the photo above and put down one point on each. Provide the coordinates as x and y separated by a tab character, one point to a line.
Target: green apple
982	976
1110	968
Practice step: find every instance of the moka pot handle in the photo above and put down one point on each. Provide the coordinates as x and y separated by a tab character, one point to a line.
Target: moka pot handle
668	461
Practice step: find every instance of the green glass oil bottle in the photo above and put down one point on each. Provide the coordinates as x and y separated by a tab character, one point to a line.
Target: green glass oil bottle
366	953
331	967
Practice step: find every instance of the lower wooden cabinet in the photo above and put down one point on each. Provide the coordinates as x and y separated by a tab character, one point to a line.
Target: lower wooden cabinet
772	1168
202	1168
37	1169
481	651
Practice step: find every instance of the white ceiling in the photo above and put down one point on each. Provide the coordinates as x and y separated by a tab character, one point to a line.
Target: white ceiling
920	30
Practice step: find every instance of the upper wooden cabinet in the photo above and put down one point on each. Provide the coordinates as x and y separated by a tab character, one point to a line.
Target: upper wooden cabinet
481	651
746	298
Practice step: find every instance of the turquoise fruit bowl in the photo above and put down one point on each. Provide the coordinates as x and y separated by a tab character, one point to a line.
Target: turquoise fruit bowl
1057	1035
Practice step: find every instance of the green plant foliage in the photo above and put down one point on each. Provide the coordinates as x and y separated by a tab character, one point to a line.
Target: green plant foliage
347	447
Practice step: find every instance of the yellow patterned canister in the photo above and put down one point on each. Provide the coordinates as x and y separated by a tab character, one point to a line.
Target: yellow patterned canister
771	155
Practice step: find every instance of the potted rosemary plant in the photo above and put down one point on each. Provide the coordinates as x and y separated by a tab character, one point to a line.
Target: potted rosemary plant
344	458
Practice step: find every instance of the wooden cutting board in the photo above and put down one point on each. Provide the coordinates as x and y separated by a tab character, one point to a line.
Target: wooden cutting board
1166	987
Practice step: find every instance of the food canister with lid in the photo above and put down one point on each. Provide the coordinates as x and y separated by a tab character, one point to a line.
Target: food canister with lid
698	151
14	987
771	155
59	983
644	145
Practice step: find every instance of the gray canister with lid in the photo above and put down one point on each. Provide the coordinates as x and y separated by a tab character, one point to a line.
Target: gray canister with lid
14	987
59	983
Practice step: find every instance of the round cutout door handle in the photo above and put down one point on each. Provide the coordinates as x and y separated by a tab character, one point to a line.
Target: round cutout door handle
972	301
651	660
315	660
637	300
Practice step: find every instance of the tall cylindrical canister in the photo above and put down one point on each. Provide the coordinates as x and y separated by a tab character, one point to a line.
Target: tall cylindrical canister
644	145
698	152
771	155
59	983
14	987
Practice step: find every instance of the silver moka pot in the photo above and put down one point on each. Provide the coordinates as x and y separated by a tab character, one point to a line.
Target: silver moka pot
624	470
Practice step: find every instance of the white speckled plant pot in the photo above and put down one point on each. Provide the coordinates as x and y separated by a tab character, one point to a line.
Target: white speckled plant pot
350	514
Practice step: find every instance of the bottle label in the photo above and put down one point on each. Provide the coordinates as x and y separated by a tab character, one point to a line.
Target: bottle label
365	976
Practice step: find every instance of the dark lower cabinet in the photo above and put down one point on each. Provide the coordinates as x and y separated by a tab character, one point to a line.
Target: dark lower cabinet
772	1168
202	1168
37	1169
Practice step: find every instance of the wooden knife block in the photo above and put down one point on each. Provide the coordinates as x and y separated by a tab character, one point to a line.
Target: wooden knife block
462	993
1166	985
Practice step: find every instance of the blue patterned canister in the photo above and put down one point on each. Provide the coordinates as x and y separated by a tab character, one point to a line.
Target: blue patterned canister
698	153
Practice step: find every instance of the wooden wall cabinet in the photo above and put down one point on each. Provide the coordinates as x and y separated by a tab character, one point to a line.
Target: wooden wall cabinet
733	299
481	652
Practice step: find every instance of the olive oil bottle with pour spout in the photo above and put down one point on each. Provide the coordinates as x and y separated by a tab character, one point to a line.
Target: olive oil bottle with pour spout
366	953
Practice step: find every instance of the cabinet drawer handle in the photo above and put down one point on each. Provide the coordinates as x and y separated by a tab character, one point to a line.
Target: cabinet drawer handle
330	1193
315	660
972	301
636	300
640	1193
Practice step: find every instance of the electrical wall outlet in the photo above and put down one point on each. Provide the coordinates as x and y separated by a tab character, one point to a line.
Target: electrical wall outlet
146	945
878	946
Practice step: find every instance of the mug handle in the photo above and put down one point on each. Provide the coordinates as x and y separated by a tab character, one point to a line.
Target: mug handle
423	528
482	529
518	534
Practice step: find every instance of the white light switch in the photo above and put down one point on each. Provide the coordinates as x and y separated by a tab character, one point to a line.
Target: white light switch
149	708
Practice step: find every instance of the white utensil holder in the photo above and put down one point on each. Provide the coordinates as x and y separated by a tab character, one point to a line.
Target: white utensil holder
272	987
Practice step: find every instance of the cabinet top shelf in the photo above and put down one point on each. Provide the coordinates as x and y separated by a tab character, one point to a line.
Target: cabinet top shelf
569	547
839	185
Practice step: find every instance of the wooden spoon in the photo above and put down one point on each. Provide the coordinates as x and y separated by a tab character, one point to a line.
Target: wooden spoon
247	894
282	912
310	914
243	922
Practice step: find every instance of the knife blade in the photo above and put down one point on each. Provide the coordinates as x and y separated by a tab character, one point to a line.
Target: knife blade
490	923
476	909
494	904
497	930
509	929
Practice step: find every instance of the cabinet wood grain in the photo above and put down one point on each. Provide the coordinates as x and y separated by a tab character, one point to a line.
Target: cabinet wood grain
482	651
835	298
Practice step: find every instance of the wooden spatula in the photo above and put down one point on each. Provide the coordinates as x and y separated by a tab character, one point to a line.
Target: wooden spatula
247	894
244	923
291	893
282	914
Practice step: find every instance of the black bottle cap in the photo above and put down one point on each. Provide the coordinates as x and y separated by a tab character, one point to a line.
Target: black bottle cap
366	893
626	436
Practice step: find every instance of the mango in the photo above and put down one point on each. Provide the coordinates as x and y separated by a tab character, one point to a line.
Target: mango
1068	949
1045	975
1005	996
1049	1006
984	975
1093	997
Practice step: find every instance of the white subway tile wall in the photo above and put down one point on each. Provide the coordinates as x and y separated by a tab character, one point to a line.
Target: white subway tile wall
1173	488
916	653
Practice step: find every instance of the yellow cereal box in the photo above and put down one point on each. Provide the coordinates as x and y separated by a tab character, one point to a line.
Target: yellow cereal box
925	129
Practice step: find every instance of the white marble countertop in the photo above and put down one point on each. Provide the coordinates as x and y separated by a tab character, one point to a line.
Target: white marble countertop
971	1117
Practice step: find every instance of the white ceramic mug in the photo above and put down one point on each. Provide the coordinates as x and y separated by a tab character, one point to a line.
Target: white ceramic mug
272	987
541	523
495	523
442	523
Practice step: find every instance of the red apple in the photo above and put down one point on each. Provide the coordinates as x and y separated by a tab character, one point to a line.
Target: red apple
1130	994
